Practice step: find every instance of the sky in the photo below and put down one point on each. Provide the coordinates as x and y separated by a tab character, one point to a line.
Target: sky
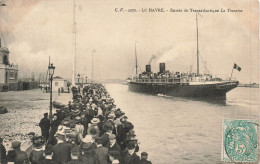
35	30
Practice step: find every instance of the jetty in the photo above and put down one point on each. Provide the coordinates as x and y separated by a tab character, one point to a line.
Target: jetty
89	121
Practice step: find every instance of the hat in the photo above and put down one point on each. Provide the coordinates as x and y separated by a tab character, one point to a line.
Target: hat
131	144
72	124
111	114
132	132
78	118
98	140
75	112
95	120
16	144
110	117
38	142
60	135
87	138
144	154
112	136
66	121
48	149
107	126
113	109
75	150
93	131
31	133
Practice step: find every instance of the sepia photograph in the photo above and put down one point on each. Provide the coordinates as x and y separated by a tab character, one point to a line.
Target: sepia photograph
129	82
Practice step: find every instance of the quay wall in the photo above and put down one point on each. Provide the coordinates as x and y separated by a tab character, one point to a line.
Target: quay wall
20	85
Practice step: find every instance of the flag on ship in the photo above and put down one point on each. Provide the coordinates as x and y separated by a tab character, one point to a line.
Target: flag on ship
237	67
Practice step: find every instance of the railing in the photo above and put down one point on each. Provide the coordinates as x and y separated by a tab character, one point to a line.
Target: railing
172	80
169	81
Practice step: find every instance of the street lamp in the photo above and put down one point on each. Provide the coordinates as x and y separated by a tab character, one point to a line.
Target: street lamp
78	75
51	69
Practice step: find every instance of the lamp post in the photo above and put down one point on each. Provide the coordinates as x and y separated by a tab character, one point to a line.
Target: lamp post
51	73
78	75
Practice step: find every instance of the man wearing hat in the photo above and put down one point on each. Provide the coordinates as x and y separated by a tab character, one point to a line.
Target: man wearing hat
48	156
54	127
75	152
94	125
114	148
101	153
122	130
37	153
113	158
2	152
61	151
129	156
88	148
144	157
105	136
17	156
45	126
31	135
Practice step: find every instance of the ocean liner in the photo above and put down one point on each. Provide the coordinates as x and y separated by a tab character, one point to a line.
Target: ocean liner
194	85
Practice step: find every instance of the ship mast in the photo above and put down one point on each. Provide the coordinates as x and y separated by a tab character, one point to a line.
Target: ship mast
198	68
74	45
136	65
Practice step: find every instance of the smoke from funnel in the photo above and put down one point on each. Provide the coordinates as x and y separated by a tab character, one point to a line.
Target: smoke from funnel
153	57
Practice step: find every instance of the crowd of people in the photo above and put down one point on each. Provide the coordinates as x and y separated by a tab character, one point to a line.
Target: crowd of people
89	130
176	76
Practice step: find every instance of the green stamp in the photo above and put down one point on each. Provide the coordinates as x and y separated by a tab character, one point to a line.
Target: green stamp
239	141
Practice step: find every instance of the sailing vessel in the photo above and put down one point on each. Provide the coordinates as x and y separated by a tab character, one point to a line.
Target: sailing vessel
194	85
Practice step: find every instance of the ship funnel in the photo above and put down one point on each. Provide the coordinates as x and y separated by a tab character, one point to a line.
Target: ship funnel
162	67
148	68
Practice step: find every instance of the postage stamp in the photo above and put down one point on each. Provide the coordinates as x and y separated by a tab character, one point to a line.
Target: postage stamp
239	141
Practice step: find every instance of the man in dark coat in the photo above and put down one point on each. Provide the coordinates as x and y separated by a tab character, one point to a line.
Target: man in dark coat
61	151
75	152
129	156
2	152
54	127
45	126
88	149
101	153
37	153
48	156
17	156
114	148
144	157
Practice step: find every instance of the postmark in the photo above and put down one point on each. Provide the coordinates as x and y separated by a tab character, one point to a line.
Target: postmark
239	141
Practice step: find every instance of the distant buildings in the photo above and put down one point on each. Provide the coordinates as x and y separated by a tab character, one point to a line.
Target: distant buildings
8	72
59	82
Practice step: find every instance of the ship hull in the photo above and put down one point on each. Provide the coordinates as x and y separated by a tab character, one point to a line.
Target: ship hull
215	90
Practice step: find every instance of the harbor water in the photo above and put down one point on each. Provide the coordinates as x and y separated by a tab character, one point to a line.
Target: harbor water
180	130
